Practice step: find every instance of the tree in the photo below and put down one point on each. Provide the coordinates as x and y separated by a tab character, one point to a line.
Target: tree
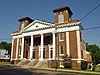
6	46
95	52
84	65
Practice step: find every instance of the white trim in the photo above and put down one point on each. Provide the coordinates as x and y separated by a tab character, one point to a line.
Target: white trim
41	22
77	59
67	43
61	54
78	44
54	45
17	48
22	48
12	50
50	46
65	29
61	36
61	59
60	18
51	30
60	50
31	48
42	42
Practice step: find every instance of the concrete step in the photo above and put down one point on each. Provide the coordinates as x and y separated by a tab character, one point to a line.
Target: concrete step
23	62
33	62
41	64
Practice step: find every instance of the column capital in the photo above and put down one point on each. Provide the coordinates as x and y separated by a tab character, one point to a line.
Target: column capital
53	32
31	35
41	34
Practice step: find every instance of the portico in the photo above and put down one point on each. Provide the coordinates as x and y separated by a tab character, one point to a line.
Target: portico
40	46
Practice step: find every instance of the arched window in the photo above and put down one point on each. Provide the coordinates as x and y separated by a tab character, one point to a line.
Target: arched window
22	26
60	18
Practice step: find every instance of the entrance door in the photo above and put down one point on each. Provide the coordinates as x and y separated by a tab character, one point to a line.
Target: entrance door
26	54
51	53
33	54
44	53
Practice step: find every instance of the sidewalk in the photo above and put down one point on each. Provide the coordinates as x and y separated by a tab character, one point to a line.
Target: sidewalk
53	69
67	70
78	71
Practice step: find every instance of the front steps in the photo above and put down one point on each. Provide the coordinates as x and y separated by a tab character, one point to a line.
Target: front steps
35	63
42	64
23	62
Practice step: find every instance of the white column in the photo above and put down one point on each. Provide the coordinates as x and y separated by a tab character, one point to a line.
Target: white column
49	51
54	46
67	43
22	49
31	48
41	47
17	48
12	49
78	45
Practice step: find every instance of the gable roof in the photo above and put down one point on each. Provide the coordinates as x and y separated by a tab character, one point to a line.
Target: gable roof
37	24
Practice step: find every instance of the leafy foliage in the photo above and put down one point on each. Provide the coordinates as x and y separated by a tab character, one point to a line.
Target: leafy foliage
84	65
95	52
6	46
67	61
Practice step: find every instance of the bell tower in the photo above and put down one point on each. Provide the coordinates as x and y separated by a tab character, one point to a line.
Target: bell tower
23	22
62	15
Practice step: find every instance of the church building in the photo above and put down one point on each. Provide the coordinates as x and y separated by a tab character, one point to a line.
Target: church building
47	41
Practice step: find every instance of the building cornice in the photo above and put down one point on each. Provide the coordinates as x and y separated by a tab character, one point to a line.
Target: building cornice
68	25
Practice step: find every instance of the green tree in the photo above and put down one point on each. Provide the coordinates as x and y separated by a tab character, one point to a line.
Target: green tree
6	46
95	52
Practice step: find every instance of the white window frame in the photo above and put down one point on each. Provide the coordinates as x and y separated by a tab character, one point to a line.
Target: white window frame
61	54
61	36
22	25
60	18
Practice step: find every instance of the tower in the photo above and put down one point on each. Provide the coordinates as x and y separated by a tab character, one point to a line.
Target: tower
69	36
23	22
62	15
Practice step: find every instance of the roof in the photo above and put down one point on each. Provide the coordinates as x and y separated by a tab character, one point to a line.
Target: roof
25	18
63	8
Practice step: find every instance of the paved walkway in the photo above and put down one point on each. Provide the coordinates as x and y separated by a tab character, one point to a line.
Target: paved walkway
65	70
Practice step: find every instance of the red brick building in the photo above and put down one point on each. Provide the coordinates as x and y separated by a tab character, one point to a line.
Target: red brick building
41	40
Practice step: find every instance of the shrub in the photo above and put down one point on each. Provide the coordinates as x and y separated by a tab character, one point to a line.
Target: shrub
97	68
67	65
12	62
55	65
83	65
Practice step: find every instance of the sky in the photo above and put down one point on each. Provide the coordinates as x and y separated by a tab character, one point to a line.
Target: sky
12	10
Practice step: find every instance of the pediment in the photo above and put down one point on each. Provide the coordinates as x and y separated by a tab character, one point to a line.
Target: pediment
37	25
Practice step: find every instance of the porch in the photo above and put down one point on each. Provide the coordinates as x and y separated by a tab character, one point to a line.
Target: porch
37	47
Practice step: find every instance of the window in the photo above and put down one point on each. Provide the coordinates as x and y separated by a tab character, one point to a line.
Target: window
61	36
60	18
61	49
22	26
19	50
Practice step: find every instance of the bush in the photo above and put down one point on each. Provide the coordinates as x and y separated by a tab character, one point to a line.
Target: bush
55	65
97	68
84	65
12	62
67	65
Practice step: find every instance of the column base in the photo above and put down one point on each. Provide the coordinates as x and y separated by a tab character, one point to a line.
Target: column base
40	59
